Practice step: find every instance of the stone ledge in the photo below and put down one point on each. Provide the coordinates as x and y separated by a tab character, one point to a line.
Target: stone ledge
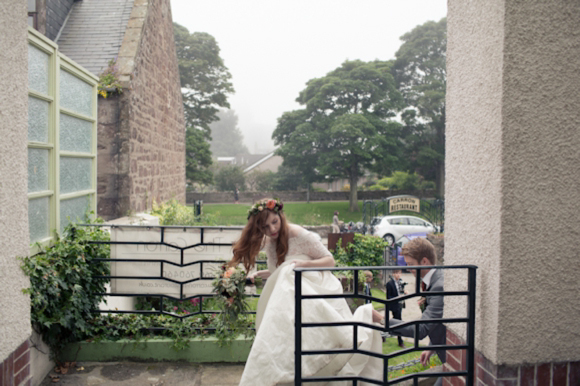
199	351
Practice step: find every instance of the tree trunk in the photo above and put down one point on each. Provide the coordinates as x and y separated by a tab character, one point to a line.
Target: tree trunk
308	193
353	180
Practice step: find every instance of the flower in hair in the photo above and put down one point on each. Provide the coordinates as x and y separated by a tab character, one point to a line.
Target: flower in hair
274	205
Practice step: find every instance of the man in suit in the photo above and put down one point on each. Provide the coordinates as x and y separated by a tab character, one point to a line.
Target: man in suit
393	291
419	252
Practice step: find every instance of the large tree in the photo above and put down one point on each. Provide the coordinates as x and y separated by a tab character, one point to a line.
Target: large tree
230	177
197	158
345	126
299	148
205	84
226	138
420	73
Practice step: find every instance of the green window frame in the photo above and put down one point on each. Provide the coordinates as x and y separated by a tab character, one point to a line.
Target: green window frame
62	140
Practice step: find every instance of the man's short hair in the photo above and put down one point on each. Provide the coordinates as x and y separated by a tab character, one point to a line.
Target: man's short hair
368	273
397	271
419	248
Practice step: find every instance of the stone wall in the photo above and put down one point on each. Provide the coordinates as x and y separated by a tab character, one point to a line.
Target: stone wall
289	196
143	152
113	182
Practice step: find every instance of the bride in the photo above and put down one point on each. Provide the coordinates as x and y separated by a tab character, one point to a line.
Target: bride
271	359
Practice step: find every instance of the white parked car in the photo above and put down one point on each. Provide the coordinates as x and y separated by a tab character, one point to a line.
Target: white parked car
391	228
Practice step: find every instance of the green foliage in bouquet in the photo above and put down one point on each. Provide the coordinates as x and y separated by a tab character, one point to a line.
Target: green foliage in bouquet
230	285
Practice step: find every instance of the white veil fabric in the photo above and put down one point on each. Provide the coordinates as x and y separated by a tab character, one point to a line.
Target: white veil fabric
271	360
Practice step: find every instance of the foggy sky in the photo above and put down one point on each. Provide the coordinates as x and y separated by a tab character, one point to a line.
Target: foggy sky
273	47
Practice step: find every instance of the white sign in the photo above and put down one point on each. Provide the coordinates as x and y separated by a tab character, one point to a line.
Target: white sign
176	238
404	203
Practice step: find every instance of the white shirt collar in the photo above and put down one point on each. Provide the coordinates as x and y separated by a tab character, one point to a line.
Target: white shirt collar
427	277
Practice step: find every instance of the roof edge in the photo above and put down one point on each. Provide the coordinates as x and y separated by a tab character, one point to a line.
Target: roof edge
132	41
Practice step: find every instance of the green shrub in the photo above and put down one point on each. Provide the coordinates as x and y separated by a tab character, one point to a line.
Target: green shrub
363	251
173	213
63	287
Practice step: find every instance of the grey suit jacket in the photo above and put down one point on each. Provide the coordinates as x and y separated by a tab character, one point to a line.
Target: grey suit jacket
433	310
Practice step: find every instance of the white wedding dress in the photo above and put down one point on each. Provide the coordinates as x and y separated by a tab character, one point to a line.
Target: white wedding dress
271	360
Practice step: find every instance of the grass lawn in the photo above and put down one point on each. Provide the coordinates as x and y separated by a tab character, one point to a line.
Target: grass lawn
378	293
391	345
301	213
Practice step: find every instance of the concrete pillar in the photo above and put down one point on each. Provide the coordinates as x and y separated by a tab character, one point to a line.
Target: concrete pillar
14	305
513	184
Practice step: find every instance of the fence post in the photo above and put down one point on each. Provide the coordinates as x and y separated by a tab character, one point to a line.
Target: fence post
471	281
298	328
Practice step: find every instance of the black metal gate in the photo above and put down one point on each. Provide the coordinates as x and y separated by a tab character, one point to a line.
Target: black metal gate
469	320
205	273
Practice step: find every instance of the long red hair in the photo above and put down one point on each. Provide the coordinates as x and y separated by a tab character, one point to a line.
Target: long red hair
246	249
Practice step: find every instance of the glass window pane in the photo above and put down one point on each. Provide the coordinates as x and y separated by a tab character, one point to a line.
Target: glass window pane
38	218
73	210
75	134
75	94
75	174
37	170
37	120
31	5
37	70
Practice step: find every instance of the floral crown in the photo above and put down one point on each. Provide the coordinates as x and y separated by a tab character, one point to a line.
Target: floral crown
275	205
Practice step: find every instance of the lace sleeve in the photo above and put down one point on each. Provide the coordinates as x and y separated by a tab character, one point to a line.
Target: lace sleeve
311	245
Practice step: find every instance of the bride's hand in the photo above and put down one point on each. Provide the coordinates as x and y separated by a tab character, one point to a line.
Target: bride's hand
300	263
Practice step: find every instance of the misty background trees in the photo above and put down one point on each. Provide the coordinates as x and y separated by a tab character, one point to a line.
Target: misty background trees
381	117
205	83
227	139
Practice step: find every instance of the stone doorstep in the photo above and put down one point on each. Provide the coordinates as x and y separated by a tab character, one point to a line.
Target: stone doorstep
158	350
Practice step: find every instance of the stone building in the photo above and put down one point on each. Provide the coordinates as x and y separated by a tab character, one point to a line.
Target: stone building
141	131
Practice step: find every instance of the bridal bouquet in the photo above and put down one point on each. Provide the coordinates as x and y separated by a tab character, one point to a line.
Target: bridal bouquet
230	285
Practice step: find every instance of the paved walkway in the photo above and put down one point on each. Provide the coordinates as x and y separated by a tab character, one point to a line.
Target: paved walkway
147	374
175	374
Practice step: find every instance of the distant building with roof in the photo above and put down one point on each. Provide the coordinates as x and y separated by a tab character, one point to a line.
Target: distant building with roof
266	162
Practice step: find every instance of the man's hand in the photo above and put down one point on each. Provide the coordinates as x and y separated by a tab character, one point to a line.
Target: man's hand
425	356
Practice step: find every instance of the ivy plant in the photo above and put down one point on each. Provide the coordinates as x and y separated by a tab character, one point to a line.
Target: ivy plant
63	287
